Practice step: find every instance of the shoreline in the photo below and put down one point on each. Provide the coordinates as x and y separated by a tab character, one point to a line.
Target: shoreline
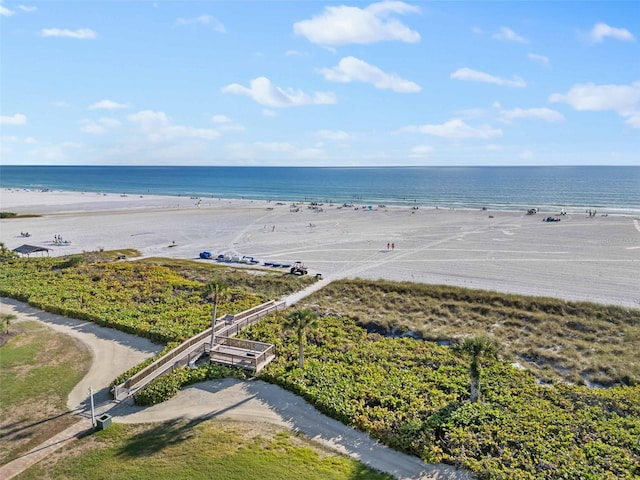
580	258
79	199
183	200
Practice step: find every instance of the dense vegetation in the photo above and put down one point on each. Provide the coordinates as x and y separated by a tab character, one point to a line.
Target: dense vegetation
198	450
412	395
582	343
144	298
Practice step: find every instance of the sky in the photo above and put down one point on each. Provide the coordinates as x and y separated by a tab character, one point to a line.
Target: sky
315	83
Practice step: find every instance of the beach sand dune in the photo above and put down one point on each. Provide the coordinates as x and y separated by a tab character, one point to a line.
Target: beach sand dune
579	258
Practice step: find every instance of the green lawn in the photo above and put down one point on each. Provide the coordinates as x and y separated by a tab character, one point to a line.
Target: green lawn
38	370
191	450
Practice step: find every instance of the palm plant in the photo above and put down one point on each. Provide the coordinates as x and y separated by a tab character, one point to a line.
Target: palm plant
475	348
301	321
215	291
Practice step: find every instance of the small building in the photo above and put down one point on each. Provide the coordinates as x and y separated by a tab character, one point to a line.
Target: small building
29	249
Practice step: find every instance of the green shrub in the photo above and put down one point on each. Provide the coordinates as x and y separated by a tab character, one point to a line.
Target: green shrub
168	385
413	395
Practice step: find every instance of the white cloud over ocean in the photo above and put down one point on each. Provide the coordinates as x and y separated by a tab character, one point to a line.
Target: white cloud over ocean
344	25
351	69
263	91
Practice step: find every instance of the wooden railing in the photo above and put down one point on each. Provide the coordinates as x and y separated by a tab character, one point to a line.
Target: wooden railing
198	344
171	355
255	355
241	321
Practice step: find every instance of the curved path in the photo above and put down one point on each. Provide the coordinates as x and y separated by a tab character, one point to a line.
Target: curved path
114	351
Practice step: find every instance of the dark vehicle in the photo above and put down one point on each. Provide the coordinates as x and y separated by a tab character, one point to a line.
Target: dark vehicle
298	269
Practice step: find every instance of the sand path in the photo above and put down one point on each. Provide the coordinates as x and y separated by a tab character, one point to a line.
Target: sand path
113	352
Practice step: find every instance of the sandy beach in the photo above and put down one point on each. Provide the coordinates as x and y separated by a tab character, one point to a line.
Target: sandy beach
581	257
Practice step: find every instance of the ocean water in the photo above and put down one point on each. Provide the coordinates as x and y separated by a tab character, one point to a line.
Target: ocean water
613	190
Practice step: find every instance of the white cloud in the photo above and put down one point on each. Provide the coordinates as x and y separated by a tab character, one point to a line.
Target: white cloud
588	96
475	76
157	126
539	58
108	105
266	93
546	114
332	135
634	120
455	129
26	8
526	154
17	119
600	31
477	30
351	69
203	20
80	34
623	99
421	151
509	35
343	25
220	119
100	126
5	12
268	113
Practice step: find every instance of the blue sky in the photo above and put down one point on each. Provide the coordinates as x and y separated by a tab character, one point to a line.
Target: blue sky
117	82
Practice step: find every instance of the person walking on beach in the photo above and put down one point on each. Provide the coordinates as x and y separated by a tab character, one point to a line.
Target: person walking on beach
393	246
387	245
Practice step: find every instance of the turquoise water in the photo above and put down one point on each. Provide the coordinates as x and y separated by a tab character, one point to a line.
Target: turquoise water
609	189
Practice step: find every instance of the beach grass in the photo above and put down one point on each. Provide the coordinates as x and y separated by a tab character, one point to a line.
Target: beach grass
267	283
576	342
38	370
199	450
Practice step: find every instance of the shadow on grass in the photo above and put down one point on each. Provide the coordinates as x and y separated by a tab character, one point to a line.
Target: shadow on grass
16	429
168	434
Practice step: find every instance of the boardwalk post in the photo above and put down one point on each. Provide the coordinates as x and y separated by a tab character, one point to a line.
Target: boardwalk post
213	325
215	291
93	411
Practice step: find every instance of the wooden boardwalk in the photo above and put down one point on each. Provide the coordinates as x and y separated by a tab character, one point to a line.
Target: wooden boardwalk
227	350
